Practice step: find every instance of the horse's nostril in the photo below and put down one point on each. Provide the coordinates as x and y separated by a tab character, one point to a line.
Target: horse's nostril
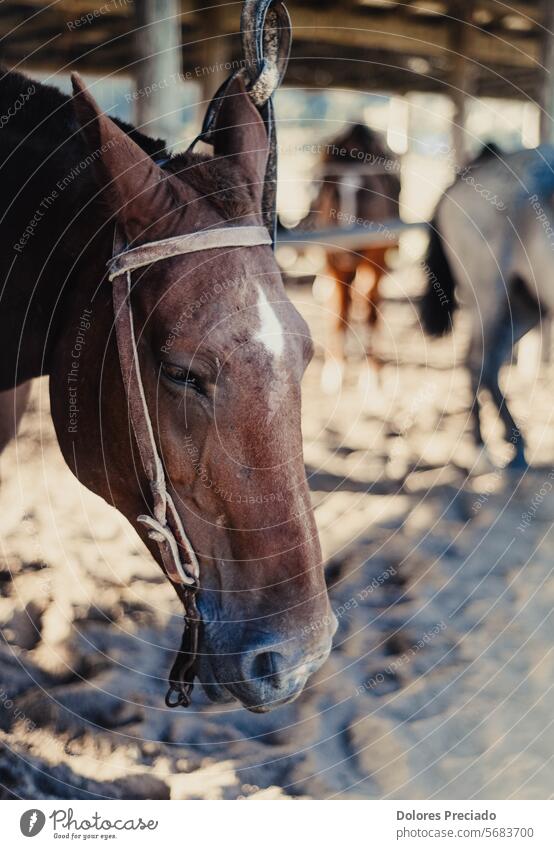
270	666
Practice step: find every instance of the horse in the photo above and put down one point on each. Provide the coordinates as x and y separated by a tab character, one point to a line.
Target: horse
491	248
359	184
196	372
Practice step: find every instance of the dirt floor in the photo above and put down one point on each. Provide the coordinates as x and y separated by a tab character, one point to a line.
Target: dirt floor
440	682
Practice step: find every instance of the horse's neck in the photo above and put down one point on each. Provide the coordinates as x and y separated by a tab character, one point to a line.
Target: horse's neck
47	281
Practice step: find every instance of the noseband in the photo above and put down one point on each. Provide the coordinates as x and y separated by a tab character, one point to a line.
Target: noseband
164	525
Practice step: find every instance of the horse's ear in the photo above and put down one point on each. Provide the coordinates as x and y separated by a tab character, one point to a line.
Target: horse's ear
137	191
240	135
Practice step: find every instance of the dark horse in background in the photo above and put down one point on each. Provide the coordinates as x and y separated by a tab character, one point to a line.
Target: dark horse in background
217	339
492	249
359	185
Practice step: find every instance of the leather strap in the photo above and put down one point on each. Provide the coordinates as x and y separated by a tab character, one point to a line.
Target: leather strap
266	42
165	525
203	240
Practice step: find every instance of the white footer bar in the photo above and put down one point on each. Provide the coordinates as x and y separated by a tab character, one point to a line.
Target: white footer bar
278	824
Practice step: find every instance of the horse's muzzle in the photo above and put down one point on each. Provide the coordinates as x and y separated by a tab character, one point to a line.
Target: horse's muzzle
262	677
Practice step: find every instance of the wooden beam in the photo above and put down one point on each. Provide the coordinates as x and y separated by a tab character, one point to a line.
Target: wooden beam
345	32
398	33
351	238
426	39
500	10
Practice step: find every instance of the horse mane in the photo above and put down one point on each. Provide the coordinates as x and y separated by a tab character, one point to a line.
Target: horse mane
215	179
46	127
490	150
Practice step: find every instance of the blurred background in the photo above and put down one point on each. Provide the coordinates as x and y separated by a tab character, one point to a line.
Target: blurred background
440	681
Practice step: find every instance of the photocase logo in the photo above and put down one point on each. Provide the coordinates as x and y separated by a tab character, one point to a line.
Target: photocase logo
32	822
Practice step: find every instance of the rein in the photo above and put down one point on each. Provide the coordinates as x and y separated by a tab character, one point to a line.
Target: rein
266	41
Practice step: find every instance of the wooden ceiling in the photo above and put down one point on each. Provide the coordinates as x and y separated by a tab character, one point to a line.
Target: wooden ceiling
363	44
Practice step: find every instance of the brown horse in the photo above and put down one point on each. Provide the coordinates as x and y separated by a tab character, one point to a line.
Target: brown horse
359	186
220	348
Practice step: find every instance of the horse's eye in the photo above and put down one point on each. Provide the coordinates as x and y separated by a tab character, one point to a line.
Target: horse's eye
182	376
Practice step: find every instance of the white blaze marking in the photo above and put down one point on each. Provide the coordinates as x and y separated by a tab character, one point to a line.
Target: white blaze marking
270	333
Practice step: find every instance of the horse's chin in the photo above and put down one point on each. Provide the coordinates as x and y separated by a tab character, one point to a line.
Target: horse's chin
273	705
219	694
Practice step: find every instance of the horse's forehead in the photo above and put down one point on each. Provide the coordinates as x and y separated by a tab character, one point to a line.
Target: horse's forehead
258	303
243	312
257	319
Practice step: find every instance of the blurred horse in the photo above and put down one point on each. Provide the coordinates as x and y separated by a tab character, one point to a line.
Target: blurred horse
492	248
359	185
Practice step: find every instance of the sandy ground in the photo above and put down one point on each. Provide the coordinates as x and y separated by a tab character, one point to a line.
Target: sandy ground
440	682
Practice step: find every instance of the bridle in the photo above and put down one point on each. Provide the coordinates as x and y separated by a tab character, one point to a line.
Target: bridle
266	44
164	525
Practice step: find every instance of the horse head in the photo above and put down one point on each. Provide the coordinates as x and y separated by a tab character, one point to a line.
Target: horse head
222	351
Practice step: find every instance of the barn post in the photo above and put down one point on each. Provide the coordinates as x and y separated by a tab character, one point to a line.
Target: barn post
158	95
547	81
216	55
461	75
